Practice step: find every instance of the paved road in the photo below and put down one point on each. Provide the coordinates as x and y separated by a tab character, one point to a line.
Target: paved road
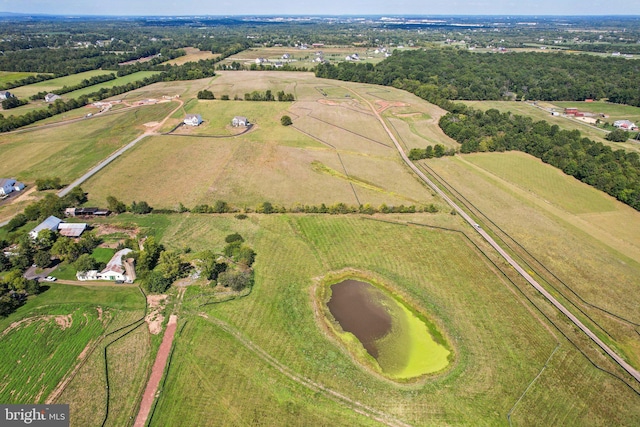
630	369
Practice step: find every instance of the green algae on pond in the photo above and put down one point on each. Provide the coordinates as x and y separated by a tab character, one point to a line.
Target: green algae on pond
398	340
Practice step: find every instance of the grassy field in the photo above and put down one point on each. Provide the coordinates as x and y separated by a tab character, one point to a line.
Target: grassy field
501	344
304	58
69	150
41	104
38	353
193	55
53	84
45	340
591	132
120	81
589	240
614	111
336	151
12	76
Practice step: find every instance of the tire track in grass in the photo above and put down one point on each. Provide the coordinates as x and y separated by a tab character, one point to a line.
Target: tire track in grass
354	405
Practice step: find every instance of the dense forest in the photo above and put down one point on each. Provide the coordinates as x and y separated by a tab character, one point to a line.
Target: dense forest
614	172
462	74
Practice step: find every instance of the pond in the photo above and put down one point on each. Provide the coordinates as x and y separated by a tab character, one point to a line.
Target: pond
400	342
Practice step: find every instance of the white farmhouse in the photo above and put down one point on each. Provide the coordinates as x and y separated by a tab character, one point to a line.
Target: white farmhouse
4	94
239	121
118	269
625	124
8	185
193	119
51	97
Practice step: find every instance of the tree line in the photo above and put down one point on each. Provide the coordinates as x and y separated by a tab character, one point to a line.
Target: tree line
448	74
84	83
615	172
188	71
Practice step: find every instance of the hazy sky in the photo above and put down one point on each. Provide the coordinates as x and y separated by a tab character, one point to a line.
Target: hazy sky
325	7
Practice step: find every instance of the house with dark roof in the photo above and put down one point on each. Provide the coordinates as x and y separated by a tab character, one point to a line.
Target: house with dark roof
4	94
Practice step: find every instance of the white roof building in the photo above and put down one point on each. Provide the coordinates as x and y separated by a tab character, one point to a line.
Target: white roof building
8	185
50	223
625	124
118	269
193	119
50	97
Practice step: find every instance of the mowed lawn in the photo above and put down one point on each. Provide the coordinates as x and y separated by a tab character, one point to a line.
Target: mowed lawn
69	150
12	76
41	104
59	83
614	111
587	239
500	343
193	54
333	152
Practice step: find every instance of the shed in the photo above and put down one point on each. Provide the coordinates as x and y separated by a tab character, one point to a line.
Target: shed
72	229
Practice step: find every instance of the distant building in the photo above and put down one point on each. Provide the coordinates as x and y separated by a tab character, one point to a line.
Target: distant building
9	185
625	125
239	121
86	212
193	119
286	56
4	94
51	97
50	223
571	111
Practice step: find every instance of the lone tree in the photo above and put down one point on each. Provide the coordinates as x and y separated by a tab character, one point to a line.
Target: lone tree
286	121
205	94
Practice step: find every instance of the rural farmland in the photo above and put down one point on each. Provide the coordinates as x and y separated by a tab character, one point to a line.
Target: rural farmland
236	244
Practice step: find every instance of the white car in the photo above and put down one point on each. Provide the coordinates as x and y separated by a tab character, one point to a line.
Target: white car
49	279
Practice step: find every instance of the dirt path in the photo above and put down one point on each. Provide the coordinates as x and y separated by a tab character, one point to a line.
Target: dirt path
356	406
156	372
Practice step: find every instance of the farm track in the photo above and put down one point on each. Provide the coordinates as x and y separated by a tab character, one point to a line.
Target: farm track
621	362
104	163
505	238
356	406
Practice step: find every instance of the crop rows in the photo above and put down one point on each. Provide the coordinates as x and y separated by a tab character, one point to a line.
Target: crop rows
34	358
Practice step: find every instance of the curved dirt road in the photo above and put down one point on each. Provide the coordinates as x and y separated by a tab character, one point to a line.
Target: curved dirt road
623	364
